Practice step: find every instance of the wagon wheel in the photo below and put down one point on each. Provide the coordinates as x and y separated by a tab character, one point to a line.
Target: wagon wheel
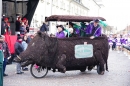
99	71
38	71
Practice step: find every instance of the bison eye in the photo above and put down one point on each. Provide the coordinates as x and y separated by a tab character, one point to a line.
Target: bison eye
33	44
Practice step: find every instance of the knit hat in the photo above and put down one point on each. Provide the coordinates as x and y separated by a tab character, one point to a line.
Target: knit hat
19	37
6	19
60	26
96	20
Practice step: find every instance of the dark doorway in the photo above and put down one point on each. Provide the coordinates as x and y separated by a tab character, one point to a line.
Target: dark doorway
23	8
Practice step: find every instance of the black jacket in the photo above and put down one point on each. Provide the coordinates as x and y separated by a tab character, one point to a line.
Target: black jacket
18	24
44	28
4	26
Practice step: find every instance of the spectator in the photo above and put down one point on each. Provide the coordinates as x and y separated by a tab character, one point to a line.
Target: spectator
27	26
6	53
25	45
3	49
44	27
23	29
18	25
4	26
18	49
28	37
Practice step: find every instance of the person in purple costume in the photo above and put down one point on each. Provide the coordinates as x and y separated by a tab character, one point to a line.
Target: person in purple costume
93	29
125	40
110	38
118	43
122	40
60	33
114	40
124	44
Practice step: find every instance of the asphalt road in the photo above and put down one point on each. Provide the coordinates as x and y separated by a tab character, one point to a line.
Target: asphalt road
118	75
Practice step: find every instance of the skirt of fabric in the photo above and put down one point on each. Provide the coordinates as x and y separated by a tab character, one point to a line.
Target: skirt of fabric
110	43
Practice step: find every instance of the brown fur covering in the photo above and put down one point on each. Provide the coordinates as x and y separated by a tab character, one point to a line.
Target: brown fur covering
73	18
66	46
59	53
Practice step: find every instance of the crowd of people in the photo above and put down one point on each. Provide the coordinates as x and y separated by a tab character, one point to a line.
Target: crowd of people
23	38
120	43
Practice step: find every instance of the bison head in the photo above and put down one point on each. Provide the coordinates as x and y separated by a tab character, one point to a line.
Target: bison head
38	50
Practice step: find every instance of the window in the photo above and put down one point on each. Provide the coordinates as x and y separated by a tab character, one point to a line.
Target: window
4	6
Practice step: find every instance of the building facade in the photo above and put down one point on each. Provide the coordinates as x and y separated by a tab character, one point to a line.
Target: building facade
93	7
47	8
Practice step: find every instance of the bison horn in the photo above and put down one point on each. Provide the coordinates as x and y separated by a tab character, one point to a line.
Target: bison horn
18	57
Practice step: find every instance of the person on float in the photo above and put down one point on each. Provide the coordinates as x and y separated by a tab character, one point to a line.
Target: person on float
93	30
60	33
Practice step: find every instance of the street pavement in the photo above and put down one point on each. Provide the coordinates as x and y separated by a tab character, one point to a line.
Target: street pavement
118	75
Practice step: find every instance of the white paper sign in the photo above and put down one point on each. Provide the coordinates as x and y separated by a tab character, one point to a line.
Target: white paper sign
83	51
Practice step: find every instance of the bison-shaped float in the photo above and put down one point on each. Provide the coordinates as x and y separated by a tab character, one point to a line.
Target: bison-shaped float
55	53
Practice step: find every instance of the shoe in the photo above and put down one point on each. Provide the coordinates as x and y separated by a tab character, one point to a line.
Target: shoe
5	74
8	63
25	69
20	73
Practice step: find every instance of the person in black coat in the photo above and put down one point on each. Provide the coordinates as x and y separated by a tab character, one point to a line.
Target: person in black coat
18	24
44	27
4	26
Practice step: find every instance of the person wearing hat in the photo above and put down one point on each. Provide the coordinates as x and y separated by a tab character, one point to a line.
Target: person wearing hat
93	29
4	26
23	29
6	52
18	49
17	25
70	29
60	33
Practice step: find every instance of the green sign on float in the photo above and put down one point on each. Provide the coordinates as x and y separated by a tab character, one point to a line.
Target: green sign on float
84	51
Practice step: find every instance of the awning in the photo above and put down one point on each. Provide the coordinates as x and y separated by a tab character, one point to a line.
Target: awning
73	18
